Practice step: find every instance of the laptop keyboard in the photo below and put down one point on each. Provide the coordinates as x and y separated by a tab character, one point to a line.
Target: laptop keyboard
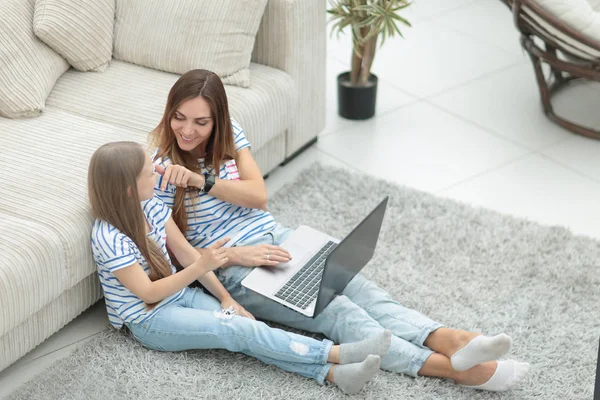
302	289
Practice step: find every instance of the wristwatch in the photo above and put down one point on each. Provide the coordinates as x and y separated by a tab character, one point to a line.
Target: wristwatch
209	181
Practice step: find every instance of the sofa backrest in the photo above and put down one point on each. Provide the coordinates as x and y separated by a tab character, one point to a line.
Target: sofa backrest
179	35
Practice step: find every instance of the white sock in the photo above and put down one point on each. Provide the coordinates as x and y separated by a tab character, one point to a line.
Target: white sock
479	350
507	375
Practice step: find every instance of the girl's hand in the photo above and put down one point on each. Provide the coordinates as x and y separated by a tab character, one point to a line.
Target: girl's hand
212	257
239	310
178	175
262	254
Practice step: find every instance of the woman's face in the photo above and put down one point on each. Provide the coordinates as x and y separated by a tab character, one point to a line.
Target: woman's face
146	180
193	124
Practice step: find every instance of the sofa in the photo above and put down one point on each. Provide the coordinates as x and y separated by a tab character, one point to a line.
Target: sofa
75	74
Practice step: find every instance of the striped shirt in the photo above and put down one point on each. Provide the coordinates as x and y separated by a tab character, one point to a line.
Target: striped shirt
112	250
210	219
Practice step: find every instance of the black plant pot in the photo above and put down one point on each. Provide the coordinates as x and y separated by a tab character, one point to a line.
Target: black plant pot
356	102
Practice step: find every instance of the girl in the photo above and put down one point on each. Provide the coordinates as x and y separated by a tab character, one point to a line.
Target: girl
216	190
130	236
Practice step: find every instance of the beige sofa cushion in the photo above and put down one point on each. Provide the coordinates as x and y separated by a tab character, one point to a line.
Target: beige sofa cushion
79	30
28	68
33	263
180	35
55	150
131	96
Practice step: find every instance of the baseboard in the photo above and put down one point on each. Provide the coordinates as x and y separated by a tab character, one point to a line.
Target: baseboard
299	151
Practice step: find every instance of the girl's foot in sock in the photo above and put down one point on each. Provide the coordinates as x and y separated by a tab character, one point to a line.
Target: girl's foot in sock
351	378
497	376
358	351
481	349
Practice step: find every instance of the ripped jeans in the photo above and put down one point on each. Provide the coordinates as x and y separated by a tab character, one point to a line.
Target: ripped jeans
361	311
195	321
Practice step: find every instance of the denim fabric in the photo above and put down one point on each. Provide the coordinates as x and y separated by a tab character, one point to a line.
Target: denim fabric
195	321
362	310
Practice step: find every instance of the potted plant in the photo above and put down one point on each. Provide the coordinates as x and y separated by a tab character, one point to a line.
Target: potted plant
368	21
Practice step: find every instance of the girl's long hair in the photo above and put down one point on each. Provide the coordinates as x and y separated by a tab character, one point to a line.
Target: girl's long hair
220	146
112	190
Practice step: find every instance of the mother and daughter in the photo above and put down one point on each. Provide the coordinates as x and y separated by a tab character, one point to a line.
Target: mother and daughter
202	189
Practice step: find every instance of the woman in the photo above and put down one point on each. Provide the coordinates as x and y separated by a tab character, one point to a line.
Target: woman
215	188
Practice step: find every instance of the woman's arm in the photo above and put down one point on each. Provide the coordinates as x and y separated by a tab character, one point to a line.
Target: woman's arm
250	191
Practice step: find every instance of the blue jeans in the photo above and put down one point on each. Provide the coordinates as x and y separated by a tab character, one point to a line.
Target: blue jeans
195	322
362	310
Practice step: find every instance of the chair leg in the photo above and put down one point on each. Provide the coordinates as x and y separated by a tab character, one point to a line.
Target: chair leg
546	97
542	84
557	73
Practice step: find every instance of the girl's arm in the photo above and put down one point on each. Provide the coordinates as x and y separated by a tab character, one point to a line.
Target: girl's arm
137	281
187	256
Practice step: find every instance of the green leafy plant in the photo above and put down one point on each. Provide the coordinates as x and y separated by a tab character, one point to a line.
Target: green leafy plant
368	21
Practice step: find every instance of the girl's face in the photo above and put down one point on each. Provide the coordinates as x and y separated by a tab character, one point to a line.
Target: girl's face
193	124
146	180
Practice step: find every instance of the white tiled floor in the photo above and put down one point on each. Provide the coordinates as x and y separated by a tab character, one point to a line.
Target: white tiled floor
458	115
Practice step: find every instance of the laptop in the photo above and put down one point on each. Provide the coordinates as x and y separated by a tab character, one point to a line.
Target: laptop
597	389
321	265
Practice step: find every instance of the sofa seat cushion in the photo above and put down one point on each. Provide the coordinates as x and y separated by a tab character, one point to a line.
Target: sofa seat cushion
28	68
32	271
134	97
55	150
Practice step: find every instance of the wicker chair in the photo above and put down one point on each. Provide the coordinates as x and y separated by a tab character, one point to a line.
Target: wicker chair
568	33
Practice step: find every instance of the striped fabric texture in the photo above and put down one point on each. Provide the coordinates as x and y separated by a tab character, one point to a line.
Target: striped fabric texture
28	68
290	34
210	219
113	251
32	257
55	150
134	97
271	154
180	35
49	319
579	15
79	30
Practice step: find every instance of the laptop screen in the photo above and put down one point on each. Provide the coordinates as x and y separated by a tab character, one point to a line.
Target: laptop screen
597	390
350	256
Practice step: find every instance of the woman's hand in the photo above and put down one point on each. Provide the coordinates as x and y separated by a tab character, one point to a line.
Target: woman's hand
262	254
239	310
178	175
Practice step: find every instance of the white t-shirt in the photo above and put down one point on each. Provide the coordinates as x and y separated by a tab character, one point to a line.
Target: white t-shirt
112	250
210	219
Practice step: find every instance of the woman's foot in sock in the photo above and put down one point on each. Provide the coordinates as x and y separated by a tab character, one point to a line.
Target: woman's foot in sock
358	351
481	349
496	376
351	378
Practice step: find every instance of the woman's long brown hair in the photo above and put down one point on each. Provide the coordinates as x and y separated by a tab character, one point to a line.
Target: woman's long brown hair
112	190
220	146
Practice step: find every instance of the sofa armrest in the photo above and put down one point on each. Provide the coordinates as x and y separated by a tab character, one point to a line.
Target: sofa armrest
292	38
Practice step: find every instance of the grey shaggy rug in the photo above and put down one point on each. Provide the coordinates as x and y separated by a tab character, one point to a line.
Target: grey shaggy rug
468	268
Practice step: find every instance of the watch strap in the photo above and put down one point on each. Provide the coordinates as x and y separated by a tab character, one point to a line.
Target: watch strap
209	181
